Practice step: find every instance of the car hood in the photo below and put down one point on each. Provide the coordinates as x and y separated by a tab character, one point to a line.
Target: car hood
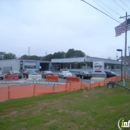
68	74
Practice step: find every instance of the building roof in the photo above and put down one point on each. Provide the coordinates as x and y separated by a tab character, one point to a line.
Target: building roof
84	59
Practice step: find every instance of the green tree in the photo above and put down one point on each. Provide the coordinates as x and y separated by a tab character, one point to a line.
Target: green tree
32	57
9	55
48	57
59	54
24	57
2	55
74	53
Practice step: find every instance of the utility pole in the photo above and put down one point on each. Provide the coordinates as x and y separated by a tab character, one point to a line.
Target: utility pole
129	56
28	51
125	43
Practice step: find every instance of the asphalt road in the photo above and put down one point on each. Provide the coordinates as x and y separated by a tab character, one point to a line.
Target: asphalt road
41	82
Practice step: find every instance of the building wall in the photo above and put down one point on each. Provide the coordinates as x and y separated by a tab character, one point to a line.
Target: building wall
12	64
19	64
34	64
84	63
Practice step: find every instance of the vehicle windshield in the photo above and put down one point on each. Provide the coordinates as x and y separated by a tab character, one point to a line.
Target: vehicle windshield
48	72
15	71
65	72
85	72
113	72
0	72
30	71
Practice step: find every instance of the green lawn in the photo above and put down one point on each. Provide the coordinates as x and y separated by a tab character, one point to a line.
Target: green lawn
90	109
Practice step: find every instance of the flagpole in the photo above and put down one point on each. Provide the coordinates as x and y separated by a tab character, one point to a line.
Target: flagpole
125	49
123	28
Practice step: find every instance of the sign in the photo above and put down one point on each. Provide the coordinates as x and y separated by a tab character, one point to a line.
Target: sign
98	67
123	124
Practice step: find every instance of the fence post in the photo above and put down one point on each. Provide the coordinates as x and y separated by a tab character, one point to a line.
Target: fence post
53	88
90	85
70	86
34	91
8	92
81	86
105	82
66	87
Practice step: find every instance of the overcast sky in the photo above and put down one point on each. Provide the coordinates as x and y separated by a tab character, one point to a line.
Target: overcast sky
48	26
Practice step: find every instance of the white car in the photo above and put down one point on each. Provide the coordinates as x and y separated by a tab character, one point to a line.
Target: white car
65	74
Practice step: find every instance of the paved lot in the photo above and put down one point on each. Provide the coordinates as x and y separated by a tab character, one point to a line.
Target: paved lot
41	82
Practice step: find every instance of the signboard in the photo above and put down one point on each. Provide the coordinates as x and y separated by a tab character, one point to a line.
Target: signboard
98	67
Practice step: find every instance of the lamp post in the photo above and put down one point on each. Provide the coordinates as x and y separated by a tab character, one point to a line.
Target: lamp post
121	63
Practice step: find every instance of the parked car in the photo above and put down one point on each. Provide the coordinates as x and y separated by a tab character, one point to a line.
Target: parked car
29	72
47	73
83	75
16	72
1	75
64	74
110	74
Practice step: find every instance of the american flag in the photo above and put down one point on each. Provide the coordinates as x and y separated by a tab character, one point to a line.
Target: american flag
121	28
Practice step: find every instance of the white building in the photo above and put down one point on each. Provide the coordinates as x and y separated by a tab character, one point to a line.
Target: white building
18	64
58	64
83	63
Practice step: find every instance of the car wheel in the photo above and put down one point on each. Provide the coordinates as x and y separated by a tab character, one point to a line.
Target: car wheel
82	77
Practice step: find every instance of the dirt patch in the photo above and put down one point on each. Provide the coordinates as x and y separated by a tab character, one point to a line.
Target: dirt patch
51	122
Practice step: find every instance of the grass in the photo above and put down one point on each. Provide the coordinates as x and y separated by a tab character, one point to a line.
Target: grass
90	109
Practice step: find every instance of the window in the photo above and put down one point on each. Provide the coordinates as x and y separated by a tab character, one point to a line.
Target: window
30	67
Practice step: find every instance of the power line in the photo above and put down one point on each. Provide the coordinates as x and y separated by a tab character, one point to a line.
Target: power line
101	7
109	8
125	4
100	11
119	6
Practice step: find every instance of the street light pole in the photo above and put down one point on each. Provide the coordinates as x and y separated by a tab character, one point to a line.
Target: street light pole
129	56
121	63
121	66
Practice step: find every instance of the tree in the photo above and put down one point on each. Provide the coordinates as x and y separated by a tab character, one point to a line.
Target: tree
24	57
32	57
48	57
9	55
74	53
2	55
57	55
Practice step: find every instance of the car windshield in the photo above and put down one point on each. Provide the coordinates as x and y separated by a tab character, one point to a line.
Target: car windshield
110	72
15	71
85	72
0	72
65	72
113	72
48	72
32	72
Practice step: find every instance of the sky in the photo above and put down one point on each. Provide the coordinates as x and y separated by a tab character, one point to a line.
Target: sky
49	26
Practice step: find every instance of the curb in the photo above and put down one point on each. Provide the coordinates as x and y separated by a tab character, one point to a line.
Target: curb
28	82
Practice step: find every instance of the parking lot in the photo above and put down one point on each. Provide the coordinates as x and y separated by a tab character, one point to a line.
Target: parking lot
41	82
